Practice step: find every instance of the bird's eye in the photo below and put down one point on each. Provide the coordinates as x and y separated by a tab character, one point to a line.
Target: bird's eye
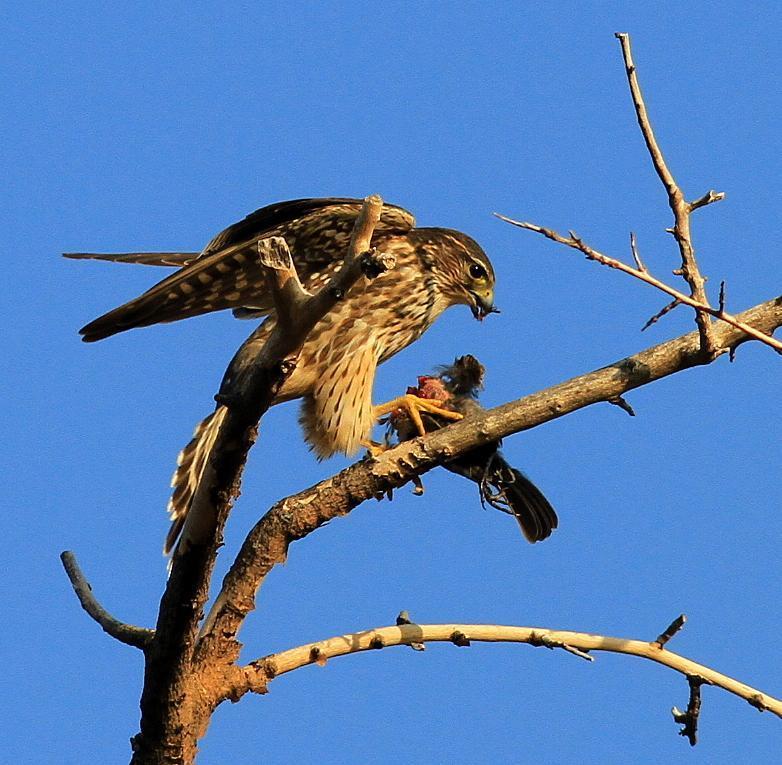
477	271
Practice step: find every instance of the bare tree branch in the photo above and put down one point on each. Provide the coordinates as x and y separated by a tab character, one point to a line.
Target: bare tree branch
623	404
297	516
187	673
175	710
636	255
664	311
138	637
575	242
680	207
689	718
256	676
708	198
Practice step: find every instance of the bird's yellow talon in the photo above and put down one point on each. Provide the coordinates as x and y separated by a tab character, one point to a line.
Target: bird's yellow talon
413	406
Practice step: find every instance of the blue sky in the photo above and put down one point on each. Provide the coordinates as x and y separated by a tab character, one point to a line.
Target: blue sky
145	126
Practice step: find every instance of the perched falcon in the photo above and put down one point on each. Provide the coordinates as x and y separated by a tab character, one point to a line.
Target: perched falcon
435	269
456	386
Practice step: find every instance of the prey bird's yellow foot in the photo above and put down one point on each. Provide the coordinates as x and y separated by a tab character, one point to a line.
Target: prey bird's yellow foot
413	406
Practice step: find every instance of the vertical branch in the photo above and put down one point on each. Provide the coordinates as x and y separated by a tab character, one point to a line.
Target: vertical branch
179	693
680	207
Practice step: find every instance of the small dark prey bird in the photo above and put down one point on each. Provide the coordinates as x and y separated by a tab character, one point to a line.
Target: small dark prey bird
436	268
503	487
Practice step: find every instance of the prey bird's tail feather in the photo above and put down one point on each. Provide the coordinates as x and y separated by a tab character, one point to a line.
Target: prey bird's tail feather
191	483
513	492
509	490
172	259
534	513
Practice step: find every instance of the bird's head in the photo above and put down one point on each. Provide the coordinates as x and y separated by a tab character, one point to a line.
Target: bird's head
464	377
465	274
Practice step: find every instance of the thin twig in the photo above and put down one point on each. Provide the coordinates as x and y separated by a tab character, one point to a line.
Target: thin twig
544	639
708	198
138	637
671	630
680	207
288	294
623	404
667	308
255	675
636	256
575	242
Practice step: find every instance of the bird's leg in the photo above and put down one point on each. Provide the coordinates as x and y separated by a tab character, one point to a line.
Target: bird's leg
413	406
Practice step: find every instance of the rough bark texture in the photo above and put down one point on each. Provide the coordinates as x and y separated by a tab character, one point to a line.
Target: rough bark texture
296	516
179	696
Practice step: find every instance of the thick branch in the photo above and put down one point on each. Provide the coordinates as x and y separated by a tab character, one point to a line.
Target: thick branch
680	207
256	676
643	274
138	637
298	515
174	711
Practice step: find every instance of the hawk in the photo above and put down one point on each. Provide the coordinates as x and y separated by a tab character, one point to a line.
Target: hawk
503	487
435	268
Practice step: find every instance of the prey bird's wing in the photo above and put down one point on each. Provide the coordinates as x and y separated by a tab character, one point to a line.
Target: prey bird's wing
177	259
227	274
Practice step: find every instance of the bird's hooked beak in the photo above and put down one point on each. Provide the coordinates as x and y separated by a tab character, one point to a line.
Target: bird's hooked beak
482	303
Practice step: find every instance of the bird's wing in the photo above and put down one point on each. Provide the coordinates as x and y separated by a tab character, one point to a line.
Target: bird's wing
227	273
176	259
336	213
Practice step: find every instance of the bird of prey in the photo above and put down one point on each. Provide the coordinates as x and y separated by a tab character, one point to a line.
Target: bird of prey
435	269
503	487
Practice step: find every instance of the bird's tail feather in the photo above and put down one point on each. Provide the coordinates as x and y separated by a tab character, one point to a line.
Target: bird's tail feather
510	490
190	482
172	259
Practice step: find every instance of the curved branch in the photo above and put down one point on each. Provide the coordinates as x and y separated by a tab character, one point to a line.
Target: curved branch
255	676
297	516
138	637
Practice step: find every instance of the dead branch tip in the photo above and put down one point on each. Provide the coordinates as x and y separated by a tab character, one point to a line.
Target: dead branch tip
671	630
138	637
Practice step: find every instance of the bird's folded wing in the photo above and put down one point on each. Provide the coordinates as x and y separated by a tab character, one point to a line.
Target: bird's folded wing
227	274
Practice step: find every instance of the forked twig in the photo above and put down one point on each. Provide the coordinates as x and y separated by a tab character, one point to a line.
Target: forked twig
680	207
